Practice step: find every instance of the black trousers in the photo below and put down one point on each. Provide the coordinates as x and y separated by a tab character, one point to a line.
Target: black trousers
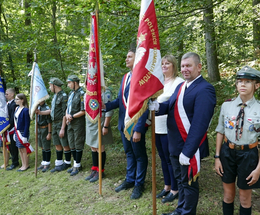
188	194
14	151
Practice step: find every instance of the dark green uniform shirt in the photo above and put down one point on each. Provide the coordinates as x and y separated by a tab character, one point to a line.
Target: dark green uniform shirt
44	119
77	101
60	106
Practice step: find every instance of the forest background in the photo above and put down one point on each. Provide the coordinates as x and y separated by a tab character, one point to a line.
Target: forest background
225	33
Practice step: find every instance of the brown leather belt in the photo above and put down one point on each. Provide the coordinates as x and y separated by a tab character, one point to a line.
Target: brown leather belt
240	147
44	126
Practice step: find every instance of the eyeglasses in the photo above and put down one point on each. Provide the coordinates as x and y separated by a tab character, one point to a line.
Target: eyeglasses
245	82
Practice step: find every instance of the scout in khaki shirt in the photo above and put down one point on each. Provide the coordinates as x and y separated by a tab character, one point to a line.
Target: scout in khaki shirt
59	131
238	127
44	137
75	119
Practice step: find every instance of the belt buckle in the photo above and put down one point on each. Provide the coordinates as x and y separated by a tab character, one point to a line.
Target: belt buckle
237	147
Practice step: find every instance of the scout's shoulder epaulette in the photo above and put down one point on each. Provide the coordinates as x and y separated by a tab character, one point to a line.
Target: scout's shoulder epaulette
82	92
230	100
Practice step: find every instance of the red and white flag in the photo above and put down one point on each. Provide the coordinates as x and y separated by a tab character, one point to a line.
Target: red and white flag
95	76
147	79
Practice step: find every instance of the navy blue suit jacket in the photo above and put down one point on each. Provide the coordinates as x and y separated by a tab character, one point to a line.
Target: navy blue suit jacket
199	102
24	122
118	102
11	109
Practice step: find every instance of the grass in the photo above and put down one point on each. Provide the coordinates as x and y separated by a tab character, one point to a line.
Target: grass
59	193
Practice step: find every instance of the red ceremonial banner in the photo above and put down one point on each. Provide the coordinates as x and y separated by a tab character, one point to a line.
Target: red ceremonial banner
147	78
93	80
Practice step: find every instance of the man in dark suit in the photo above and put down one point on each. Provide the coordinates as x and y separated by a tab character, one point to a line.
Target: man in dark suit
9	95
189	110
135	149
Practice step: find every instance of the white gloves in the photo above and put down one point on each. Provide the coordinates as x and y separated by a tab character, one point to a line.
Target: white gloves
184	160
154	105
24	139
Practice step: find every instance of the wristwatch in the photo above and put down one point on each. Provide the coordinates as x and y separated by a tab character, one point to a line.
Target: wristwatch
216	156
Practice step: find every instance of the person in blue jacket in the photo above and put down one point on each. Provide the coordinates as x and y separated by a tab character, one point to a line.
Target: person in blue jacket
22	125
189	110
135	149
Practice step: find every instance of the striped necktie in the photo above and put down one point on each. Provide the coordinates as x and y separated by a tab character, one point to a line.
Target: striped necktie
240	116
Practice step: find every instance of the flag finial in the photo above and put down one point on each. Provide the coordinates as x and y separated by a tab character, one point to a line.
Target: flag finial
35	54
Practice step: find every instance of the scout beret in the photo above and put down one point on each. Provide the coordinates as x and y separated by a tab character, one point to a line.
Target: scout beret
73	78
56	82
248	73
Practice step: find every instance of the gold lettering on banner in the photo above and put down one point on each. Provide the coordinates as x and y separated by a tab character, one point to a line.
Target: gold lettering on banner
145	78
91	93
148	75
154	59
150	25
2	122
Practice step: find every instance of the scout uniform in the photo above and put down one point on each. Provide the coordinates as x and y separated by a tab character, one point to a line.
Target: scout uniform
240	123
76	128
43	122
92	138
58	109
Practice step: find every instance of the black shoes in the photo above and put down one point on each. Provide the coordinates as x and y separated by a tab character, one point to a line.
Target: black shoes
137	192
93	172
96	177
22	170
124	186
46	168
162	194
75	170
40	167
62	167
11	167
172	213
170	197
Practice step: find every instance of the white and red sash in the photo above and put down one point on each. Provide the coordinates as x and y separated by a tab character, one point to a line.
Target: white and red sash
124	100
27	145
125	79
183	125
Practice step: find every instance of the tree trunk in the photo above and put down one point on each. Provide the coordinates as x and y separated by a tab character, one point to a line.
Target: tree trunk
180	53
55	39
29	55
211	51
256	28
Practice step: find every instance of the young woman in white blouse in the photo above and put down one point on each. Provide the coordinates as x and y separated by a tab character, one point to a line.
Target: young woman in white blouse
171	81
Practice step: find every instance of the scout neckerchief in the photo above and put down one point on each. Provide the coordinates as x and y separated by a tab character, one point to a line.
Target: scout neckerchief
27	145
69	104
240	116
53	106
126	82
183	125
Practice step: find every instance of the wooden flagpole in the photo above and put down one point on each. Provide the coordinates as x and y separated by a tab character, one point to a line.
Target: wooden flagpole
153	163
36	123
99	156
36	144
99	117
4	150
